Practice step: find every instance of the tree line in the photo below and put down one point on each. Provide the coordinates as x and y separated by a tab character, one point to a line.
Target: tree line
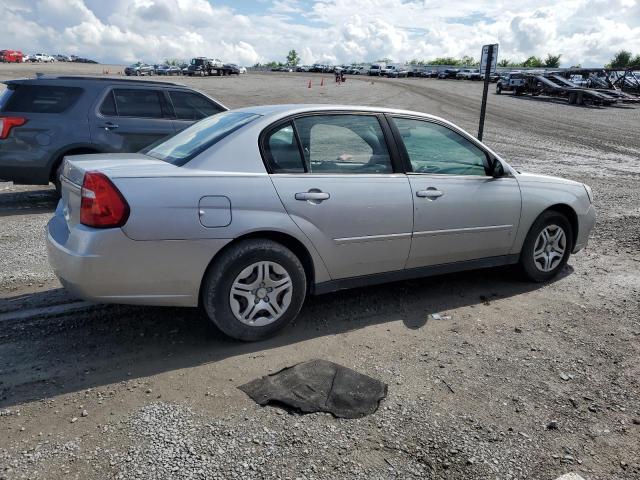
622	59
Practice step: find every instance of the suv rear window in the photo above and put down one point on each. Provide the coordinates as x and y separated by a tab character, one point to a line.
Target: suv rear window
140	103
194	140
39	98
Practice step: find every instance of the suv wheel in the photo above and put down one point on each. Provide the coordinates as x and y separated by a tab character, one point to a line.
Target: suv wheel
547	247
254	289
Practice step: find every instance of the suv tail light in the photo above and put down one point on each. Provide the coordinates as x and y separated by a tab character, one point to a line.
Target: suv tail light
102	205
7	123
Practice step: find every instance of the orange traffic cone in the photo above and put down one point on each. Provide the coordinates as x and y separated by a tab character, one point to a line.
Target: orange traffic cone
309	86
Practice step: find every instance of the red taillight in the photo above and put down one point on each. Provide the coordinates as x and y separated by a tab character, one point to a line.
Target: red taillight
102	205
7	123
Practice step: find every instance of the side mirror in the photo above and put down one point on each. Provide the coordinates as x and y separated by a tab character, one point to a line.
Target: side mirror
497	169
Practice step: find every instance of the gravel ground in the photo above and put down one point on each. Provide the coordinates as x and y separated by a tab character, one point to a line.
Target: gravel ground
509	381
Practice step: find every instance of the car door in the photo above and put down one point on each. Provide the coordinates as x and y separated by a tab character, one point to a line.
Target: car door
190	107
461	211
336	178
129	119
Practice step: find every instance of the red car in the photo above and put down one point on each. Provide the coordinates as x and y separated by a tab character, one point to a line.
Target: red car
11	56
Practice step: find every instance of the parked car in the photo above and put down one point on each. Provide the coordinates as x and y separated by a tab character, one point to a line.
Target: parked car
469	74
243	70
393	71
493	77
376	69
138	69
167	70
11	56
273	192
78	115
42	57
448	73
83	60
231	69
415	71
302	68
511	82
62	58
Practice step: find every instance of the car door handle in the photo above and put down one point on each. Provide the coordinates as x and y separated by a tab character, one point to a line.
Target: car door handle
313	196
110	126
429	193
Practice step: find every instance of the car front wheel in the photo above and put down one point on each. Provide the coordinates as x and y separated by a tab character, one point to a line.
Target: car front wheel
254	289
547	247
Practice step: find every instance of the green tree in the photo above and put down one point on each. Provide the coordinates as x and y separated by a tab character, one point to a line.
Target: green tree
444	61
552	61
620	59
292	58
505	62
533	61
468	61
635	61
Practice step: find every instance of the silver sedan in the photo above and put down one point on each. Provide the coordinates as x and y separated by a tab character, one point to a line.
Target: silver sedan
249	211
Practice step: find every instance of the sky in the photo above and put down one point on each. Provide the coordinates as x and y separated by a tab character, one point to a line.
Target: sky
585	32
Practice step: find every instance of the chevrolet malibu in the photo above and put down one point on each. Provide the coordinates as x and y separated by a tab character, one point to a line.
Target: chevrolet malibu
248	212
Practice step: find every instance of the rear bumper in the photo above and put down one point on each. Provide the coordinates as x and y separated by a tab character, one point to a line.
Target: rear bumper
106	266
586	222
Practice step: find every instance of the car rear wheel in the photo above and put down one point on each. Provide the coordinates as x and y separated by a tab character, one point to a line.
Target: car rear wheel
254	289
547	247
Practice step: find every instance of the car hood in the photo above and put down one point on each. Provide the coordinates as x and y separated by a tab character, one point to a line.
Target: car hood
525	177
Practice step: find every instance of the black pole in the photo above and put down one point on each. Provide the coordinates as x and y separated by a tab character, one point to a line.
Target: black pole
487	74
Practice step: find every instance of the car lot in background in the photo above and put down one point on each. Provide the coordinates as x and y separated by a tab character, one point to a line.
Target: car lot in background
248	258
80	115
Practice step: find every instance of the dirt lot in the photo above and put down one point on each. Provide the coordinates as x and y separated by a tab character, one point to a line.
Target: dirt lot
513	381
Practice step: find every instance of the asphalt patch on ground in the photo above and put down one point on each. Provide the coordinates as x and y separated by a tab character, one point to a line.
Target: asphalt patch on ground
319	386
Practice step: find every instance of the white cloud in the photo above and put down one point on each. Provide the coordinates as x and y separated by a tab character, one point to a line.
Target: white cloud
583	31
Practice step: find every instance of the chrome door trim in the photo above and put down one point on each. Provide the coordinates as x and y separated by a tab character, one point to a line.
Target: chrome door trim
489	228
371	238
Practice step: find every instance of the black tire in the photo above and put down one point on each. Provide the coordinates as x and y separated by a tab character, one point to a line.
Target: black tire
498	89
219	279
528	266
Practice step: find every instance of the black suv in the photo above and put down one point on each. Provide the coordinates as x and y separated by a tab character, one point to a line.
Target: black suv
45	119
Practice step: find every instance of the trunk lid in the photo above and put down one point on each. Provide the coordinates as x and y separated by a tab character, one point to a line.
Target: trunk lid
112	165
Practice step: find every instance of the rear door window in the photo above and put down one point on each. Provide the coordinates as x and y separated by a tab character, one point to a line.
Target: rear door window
108	106
39	98
141	103
191	106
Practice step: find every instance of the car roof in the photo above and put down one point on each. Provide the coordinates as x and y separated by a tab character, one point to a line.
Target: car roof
97	81
284	110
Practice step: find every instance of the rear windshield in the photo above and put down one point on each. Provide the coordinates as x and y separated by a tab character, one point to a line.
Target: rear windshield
38	98
194	140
